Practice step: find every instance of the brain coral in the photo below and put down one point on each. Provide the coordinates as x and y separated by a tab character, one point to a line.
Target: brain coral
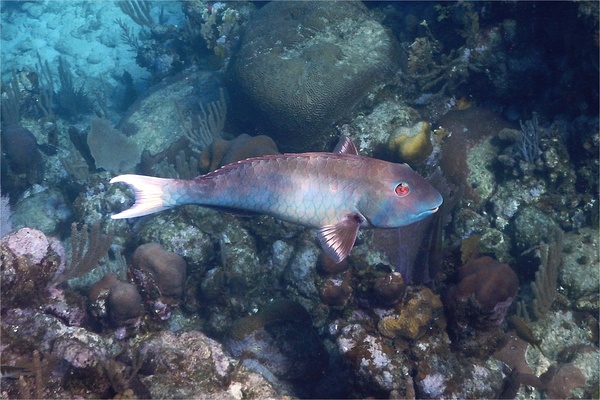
323	59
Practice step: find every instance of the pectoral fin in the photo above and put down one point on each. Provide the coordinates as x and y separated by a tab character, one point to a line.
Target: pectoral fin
337	240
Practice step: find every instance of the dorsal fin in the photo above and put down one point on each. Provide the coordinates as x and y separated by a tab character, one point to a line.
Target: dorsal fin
345	146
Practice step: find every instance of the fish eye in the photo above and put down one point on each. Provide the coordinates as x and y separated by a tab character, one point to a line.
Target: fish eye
402	189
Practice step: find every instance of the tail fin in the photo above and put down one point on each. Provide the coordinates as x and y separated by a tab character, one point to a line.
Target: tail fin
148	195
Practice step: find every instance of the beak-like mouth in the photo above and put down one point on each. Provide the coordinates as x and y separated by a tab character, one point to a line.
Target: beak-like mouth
434	210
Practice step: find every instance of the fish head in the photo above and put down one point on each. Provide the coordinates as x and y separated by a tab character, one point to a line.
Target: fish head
401	198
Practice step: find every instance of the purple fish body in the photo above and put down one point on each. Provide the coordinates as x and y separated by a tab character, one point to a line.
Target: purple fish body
335	192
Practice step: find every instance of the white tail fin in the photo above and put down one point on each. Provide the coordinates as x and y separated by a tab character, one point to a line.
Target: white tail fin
148	195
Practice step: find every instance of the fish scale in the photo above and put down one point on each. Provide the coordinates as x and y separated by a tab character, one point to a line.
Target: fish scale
335	192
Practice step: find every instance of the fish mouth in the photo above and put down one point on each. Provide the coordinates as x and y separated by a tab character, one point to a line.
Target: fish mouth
434	210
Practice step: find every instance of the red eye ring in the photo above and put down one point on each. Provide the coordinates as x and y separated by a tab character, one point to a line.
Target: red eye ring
402	189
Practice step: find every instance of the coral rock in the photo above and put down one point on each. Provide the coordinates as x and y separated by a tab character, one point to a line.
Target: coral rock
118	303
336	291
486	289
412	144
28	266
390	288
415	316
160	272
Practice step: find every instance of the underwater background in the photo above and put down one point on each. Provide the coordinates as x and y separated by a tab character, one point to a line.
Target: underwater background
494	103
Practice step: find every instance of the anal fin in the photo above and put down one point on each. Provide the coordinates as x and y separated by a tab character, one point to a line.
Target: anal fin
337	240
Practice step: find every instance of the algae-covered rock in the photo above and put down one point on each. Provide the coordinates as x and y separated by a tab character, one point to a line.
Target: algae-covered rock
579	273
176	232
191	365
152	121
28	264
41	208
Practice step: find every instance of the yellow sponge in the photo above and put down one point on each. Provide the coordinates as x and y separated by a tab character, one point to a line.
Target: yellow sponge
412	144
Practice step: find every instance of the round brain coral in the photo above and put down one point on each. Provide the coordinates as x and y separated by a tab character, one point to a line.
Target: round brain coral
324	58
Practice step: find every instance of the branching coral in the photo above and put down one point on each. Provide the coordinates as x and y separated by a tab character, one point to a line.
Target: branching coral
138	11
87	249
545	284
529	143
11	102
71	101
434	79
204	127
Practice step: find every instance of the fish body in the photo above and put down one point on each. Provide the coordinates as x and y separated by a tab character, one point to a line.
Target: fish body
335	192
12	372
523	331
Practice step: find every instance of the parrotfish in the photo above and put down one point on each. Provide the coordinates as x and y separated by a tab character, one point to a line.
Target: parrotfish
337	193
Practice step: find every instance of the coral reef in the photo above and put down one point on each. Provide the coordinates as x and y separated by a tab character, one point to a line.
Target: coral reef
336	291
501	100
180	94
375	363
42	208
413	317
29	264
191	365
220	24
580	257
390	289
469	129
